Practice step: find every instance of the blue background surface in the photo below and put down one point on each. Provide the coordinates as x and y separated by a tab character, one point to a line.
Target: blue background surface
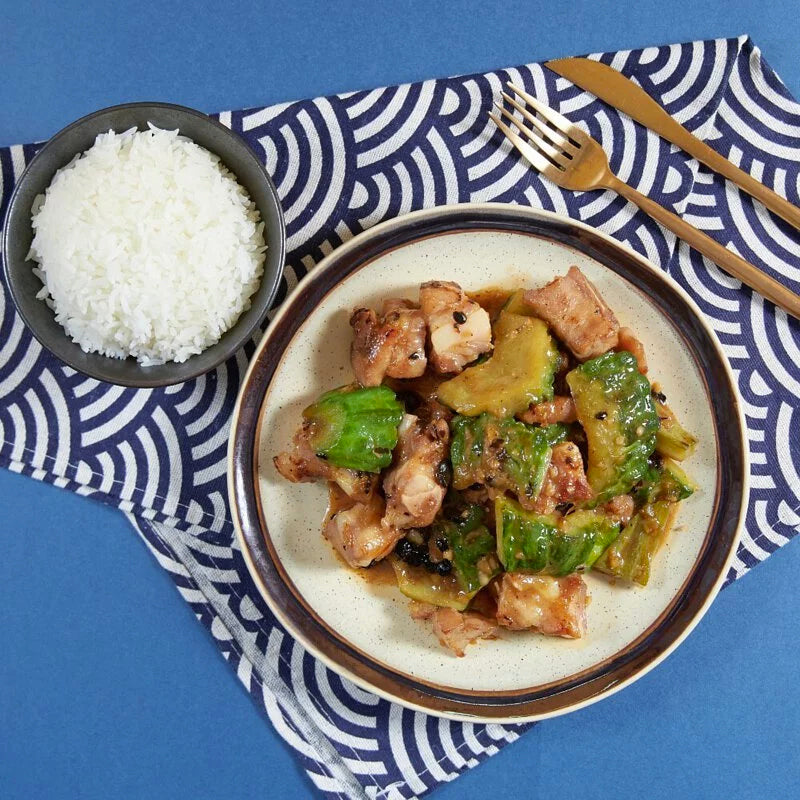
108	687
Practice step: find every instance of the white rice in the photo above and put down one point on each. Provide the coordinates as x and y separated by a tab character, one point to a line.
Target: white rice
147	247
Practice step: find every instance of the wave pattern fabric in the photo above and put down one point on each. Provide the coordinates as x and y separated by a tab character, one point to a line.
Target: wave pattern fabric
342	164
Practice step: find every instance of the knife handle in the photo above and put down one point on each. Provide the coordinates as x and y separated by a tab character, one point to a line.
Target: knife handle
711	158
746	272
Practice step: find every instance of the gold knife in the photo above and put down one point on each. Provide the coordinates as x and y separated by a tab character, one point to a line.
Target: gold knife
623	94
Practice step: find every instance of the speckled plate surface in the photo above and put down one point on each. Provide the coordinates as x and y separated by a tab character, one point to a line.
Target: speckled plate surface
362	629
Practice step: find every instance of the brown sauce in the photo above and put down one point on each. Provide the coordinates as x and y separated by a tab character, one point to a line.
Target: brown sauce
380	574
491	299
425	387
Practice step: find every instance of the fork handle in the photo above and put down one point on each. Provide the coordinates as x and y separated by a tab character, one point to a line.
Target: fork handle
746	272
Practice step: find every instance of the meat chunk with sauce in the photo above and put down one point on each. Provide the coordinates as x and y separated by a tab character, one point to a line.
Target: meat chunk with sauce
565	481
574	309
357	530
415	484
627	341
549	412
620	509
553	606
392	345
301	465
459	329
455	629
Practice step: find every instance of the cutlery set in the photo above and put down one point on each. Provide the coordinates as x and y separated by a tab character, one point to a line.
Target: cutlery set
568	156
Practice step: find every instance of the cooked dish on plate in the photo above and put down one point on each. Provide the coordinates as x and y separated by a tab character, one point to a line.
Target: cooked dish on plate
493	447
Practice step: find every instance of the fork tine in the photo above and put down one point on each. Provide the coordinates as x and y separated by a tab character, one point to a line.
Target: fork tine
537	160
554	136
553	117
540	143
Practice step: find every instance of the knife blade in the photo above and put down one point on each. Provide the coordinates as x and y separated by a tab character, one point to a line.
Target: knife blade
623	94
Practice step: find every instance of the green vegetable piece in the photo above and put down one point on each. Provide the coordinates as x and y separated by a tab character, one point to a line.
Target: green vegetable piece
665	482
553	434
502	453
548	543
424	587
355	428
630	556
466	516
474	558
520	371
676	485
470	551
474	548
615	408
649	485
672	439
516	305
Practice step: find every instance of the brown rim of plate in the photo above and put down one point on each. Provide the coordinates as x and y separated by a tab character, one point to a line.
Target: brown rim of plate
543	700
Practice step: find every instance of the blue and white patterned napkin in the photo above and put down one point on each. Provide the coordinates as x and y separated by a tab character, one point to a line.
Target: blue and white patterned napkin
342	164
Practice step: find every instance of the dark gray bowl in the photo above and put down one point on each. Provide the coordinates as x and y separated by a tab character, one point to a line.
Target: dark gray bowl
80	136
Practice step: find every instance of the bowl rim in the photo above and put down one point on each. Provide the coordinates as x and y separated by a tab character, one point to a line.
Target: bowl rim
251	530
143	381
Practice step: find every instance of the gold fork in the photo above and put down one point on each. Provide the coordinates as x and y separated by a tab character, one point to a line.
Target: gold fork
572	159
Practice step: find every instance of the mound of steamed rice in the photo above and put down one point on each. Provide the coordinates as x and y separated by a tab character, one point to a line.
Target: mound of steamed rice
147	247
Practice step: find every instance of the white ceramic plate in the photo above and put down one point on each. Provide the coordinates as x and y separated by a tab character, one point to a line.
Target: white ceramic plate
362	629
